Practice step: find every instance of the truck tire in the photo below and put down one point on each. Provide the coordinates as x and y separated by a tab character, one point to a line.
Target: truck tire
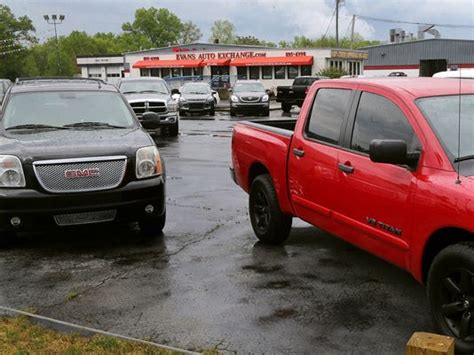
270	224
212	111
451	294
285	107
151	228
266	113
173	130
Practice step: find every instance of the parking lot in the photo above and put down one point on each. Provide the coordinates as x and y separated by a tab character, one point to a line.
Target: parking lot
207	283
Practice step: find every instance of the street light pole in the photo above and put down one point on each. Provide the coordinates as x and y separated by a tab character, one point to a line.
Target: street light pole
56	21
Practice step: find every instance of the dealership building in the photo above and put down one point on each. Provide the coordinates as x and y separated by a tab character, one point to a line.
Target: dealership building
222	65
419	57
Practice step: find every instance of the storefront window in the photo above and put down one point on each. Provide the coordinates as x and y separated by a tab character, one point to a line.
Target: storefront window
242	73
292	71
165	72
155	72
254	73
279	72
176	72
267	72
144	72
187	71
197	71
306	70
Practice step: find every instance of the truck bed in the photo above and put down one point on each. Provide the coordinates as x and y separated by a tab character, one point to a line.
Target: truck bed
263	145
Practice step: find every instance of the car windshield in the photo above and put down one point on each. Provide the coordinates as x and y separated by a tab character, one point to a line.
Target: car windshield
196	89
249	87
66	108
144	86
443	114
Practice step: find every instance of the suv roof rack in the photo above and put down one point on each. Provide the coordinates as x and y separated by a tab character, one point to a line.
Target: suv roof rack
52	79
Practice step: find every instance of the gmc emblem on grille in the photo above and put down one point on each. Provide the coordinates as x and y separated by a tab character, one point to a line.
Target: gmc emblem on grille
81	173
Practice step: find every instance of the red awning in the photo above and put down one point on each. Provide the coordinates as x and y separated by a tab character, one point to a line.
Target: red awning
156	63
248	62
217	62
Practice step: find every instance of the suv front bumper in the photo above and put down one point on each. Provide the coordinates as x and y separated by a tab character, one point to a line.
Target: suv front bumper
249	107
36	210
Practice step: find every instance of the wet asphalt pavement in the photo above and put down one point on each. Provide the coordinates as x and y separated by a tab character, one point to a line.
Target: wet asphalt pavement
206	283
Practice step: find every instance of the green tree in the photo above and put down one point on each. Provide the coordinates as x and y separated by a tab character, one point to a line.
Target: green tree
16	36
161	26
190	33
224	31
332	73
251	40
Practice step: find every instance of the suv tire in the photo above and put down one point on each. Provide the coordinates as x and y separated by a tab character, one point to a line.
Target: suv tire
270	224
212	111
450	293
152	227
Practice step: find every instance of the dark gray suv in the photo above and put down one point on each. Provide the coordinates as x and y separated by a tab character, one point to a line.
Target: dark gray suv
249	96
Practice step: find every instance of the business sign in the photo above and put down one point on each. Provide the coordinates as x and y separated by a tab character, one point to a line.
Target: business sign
349	54
220	55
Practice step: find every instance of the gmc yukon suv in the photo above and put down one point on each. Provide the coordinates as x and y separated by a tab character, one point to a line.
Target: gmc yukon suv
72	152
386	164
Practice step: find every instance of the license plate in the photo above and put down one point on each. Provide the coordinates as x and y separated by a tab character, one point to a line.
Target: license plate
85	218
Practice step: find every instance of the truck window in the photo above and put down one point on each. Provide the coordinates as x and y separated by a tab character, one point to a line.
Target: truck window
379	118
327	115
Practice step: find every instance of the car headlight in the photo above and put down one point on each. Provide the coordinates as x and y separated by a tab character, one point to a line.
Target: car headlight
210	99
11	172
234	98
265	98
148	162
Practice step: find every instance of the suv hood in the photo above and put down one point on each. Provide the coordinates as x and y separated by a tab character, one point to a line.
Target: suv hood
63	144
147	97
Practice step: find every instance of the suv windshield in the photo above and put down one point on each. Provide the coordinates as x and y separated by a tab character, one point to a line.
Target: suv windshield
196	89
143	86
249	87
443	114
67	108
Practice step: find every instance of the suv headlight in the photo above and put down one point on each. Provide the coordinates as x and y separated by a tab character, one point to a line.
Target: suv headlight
234	98
148	162
265	98
11	172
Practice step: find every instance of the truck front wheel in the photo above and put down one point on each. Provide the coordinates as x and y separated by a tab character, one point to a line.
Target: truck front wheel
270	224
285	107
451	294
174	129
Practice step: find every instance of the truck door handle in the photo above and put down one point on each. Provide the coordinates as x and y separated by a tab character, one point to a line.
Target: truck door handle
298	152
345	168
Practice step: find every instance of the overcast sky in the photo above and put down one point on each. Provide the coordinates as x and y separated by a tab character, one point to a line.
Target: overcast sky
272	20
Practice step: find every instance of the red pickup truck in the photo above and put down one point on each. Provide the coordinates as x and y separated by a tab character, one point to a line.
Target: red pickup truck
386	164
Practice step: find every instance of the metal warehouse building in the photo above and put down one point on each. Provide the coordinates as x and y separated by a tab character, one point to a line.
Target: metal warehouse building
222	64
419	58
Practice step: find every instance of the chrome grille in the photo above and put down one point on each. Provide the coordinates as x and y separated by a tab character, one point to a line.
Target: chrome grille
250	98
80	175
85	218
146	106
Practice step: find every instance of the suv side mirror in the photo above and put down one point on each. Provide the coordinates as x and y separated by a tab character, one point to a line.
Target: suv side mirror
388	151
175	91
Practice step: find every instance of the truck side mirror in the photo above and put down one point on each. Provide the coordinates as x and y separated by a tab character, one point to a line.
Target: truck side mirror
388	151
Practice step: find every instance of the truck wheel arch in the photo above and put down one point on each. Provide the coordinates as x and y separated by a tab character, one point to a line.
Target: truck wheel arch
438	241
255	170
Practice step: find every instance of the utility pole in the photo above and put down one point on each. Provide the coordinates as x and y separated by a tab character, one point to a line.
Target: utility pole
337	21
352	30
55	21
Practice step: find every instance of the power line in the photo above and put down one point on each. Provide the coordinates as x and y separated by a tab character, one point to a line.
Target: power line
330	22
413	23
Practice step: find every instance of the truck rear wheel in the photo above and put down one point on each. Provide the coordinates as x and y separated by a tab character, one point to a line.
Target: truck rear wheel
270	224
451	294
285	107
